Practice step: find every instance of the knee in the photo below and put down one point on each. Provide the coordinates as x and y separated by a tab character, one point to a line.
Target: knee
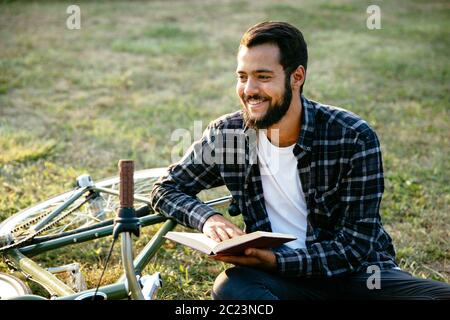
225	286
235	283
239	283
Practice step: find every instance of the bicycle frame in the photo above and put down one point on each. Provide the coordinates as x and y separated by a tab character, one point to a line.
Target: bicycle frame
19	258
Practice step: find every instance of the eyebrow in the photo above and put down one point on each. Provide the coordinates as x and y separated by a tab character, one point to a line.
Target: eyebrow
258	71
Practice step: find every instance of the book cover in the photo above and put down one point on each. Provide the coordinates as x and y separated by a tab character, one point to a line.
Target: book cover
234	246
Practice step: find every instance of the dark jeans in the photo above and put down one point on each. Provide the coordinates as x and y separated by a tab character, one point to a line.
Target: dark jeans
243	283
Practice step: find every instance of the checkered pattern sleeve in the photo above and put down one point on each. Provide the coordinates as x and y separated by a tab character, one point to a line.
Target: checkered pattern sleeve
359	233
174	194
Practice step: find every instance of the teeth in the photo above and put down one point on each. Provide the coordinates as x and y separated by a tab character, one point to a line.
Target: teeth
253	101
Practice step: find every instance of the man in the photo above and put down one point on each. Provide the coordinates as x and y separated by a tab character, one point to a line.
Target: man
293	166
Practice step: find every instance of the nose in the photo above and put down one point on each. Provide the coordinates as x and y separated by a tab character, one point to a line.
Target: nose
251	87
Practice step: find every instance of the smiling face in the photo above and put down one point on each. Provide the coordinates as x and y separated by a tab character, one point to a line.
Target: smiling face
262	86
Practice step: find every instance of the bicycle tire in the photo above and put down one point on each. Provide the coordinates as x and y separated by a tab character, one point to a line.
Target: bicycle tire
18	226
11	287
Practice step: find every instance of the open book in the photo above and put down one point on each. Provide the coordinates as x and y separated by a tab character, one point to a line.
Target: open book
234	246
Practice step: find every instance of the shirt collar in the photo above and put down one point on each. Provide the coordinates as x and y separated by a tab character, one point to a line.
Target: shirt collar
306	136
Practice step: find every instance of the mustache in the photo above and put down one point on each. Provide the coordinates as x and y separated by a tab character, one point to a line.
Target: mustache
254	96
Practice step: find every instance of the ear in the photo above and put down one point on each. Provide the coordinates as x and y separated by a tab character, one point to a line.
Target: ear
298	77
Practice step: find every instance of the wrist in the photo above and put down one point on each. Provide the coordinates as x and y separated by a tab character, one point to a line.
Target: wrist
278	263
205	219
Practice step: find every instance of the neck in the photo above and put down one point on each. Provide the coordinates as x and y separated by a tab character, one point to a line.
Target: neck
286	131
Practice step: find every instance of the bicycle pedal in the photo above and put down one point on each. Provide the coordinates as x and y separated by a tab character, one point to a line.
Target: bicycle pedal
150	284
76	279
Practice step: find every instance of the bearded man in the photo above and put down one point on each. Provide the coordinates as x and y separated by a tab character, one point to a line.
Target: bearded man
293	166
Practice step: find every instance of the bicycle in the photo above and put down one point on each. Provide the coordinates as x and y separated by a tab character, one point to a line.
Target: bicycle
81	215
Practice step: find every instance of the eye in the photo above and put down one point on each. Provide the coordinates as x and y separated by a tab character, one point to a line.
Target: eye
242	78
263	77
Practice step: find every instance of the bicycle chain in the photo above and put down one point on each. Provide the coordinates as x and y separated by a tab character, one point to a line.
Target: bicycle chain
30	222
36	233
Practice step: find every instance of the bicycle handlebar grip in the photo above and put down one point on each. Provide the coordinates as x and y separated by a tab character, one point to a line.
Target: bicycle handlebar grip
126	220
126	185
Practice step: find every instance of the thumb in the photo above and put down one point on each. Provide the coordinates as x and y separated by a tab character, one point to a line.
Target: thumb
252	252
248	252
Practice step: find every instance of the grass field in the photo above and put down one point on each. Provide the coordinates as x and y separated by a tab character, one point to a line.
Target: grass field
76	101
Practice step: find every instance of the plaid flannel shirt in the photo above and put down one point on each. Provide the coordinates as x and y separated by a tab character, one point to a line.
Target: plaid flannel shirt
341	172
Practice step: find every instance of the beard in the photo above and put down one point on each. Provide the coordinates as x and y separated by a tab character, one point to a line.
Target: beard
275	112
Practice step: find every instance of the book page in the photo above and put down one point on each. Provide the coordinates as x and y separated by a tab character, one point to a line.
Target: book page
201	242
202	238
197	241
257	239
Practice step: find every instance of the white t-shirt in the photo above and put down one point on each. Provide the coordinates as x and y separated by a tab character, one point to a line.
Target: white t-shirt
283	194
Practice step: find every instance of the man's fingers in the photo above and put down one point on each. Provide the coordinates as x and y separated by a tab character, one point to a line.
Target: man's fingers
237	260
222	234
219	229
260	258
239	232
213	235
249	252
254	252
233	232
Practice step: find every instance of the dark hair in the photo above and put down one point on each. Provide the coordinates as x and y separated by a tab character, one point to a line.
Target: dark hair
290	41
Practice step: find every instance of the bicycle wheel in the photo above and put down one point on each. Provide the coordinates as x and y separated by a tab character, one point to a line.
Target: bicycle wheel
80	213
11	286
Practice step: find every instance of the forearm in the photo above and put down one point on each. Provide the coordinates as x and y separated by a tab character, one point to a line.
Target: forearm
324	259
186	209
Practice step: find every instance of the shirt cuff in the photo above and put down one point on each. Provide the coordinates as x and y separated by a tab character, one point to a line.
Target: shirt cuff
205	216
289	263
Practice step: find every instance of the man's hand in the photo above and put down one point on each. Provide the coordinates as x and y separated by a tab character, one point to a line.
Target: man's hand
218	228
258	258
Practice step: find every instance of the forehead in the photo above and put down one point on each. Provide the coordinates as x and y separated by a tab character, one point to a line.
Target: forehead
263	56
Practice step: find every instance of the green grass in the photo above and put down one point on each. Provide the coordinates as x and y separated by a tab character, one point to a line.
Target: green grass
77	101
